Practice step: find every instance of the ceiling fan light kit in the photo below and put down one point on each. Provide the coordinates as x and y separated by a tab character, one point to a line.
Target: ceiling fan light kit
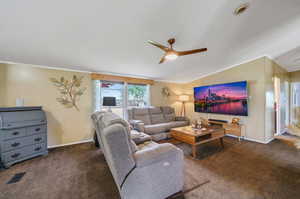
170	53
171	56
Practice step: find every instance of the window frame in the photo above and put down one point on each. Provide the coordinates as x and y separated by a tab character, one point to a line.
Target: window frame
147	100
98	97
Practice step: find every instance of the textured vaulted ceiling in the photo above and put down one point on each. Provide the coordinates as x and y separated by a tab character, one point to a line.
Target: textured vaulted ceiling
110	36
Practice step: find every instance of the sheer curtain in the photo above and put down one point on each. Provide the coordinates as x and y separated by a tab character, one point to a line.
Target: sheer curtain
96	95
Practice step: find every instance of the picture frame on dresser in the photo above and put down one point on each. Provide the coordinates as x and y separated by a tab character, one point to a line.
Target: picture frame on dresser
23	134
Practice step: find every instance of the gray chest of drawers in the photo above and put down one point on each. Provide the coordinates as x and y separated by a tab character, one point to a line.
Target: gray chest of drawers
23	134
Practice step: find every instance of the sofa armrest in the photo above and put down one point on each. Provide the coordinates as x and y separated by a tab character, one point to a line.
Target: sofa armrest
181	118
157	153
137	125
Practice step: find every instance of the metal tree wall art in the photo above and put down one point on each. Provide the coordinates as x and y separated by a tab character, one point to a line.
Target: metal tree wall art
70	90
165	92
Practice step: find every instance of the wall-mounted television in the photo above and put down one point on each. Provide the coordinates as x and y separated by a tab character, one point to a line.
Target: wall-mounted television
229	99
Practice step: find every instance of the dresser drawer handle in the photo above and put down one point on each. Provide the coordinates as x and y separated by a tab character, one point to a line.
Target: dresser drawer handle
15	144
15	133
37	129
38	148
37	139
15	155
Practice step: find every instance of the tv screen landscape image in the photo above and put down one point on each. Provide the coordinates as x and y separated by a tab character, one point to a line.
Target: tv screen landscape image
229	99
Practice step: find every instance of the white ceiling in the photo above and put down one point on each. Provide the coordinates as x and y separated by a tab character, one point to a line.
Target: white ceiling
110	36
290	60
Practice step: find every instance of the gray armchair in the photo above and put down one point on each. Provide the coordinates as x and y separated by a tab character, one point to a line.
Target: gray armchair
152	171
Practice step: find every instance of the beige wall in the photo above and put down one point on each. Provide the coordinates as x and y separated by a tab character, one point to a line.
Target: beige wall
295	76
157	99
253	72
33	85
2	85
259	75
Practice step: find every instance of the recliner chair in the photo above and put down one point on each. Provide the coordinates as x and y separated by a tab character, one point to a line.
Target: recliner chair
155	171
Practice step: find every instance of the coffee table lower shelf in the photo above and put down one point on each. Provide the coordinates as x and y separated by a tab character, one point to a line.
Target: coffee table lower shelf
194	137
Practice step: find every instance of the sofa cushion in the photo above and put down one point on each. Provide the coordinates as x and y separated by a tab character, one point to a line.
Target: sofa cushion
111	118
155	110
130	114
155	128
156	115
176	124
160	136
141	114
140	111
149	155
147	145
169	113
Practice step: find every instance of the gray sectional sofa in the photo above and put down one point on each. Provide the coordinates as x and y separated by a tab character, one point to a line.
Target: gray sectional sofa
155	121
145	171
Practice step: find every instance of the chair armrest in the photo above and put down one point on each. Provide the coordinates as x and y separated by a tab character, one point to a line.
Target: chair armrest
157	153
181	118
139	137
132	122
137	125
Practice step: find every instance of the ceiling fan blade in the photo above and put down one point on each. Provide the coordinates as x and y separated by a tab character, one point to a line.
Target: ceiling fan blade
162	47
189	52
162	59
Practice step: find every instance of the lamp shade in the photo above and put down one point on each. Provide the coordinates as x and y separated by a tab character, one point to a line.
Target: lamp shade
109	101
184	98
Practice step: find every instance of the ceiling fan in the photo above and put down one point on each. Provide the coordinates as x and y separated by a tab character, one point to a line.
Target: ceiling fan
170	53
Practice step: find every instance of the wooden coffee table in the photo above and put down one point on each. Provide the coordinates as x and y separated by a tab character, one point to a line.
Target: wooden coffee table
195	137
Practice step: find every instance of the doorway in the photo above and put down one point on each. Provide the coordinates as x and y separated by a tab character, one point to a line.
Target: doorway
295	103
277	104
281	91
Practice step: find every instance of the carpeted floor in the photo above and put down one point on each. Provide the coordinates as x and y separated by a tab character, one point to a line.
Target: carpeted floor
243	170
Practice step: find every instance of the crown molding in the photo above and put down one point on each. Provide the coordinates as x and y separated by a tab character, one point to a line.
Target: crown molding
144	77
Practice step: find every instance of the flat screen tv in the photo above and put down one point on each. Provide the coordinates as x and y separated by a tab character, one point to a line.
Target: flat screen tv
229	99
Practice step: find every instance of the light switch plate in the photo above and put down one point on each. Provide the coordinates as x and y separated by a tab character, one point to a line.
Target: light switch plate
19	102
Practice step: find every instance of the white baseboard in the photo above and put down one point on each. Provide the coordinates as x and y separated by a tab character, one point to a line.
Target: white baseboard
72	143
252	140
259	141
234	136
270	140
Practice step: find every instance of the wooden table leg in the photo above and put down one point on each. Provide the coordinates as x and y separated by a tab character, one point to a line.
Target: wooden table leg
222	142
194	152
